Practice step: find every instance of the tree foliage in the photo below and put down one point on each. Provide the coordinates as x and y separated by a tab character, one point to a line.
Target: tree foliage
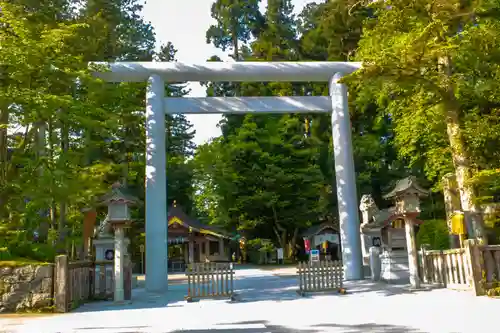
425	103
65	137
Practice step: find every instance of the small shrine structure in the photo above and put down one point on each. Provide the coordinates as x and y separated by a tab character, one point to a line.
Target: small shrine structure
325	238
191	241
392	231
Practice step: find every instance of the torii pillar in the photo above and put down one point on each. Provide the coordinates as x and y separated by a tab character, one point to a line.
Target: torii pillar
156	188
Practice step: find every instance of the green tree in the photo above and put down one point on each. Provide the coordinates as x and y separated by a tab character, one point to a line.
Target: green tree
419	58
237	22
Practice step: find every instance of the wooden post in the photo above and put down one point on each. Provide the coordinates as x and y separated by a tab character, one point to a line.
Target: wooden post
475	268
88	229
221	248
462	240
185	253
207	249
191	250
61	284
412	253
127	280
424	265
141	248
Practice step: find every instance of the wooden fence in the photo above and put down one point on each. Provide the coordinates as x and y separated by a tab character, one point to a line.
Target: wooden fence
449	268
210	280
475	267
489	257
320	276
78	282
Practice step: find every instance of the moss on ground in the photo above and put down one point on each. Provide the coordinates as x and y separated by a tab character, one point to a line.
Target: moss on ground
19	262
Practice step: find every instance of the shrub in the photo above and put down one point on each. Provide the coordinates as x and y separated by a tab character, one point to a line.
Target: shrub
435	234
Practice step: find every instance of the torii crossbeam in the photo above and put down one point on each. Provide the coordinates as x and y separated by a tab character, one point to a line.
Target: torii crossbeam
159	73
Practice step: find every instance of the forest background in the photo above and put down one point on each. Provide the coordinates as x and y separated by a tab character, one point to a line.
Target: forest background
427	103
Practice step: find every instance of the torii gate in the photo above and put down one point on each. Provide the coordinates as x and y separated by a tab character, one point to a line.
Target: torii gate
157	74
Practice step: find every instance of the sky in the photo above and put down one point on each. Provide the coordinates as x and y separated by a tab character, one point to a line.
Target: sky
184	23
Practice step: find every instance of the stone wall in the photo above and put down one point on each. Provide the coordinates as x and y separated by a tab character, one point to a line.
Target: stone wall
26	288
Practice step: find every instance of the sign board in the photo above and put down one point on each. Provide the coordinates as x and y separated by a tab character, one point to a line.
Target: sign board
109	254
314	255
279	253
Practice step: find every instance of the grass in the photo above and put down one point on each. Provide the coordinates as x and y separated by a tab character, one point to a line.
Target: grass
19	262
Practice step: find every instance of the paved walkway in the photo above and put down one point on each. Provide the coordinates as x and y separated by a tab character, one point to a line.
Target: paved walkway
268	303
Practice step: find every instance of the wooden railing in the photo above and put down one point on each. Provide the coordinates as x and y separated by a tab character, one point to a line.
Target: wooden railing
78	282
320	276
210	280
73	283
449	268
490	264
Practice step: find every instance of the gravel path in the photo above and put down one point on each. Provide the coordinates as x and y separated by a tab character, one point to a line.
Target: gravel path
269	303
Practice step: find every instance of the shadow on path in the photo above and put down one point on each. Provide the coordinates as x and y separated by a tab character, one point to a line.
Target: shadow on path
254	287
270	328
371	328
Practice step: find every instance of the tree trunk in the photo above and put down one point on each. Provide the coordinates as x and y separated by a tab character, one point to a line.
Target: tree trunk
236	46
63	204
451	203
278	236
4	123
278	228
41	147
463	172
293	243
284	244
461	160
51	145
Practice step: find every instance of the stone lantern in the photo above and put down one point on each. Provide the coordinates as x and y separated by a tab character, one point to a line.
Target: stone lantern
406	195
119	219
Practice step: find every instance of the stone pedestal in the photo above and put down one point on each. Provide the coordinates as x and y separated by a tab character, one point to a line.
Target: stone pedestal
394	267
367	241
375	266
103	246
119	294
106	246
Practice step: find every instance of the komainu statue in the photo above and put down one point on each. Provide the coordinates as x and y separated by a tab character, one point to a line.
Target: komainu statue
372	216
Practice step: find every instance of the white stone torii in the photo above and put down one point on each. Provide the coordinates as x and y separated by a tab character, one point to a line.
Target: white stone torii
157	74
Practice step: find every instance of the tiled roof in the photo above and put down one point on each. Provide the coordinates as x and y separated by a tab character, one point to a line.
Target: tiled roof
315	229
176	211
406	184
